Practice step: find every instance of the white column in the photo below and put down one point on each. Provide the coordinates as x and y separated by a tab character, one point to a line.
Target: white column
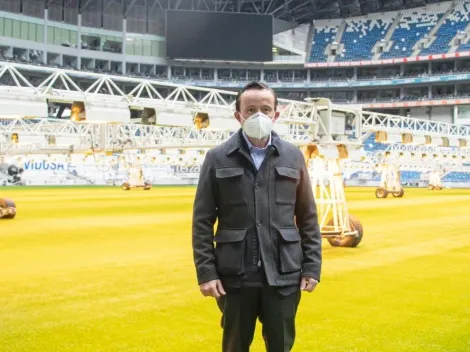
46	21
124	37
79	42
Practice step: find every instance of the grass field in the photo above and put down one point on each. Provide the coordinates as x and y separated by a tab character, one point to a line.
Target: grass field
103	270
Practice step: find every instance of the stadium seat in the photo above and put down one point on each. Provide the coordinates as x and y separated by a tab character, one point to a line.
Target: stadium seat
410	175
414	25
370	145
360	37
464	47
457	21
456	176
361	34
323	35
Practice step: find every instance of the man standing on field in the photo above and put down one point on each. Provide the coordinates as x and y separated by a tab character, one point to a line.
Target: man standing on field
268	243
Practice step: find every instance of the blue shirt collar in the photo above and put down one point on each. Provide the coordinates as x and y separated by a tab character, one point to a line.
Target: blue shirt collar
251	146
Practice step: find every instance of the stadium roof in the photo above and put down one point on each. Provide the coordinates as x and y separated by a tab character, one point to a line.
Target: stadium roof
294	11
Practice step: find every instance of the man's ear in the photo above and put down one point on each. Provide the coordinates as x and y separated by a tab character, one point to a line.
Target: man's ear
238	116
276	116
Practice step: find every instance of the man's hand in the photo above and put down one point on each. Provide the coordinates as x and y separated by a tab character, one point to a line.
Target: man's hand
212	288
308	284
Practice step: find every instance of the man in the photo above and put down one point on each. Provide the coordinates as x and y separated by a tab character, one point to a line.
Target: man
268	243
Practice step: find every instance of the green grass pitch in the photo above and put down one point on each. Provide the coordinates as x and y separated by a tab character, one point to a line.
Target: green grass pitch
99	269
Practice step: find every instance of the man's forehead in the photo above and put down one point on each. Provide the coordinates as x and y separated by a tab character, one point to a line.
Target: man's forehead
257	97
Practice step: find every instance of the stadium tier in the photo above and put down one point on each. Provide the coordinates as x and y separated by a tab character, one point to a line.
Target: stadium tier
457	21
361	36
322	37
414	25
451	178
436	29
455	176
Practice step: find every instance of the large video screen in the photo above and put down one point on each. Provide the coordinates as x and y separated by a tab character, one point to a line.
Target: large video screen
218	36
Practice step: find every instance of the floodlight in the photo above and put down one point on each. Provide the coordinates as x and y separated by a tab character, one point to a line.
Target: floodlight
388	137
408	138
77	112
343	151
201	120
310	151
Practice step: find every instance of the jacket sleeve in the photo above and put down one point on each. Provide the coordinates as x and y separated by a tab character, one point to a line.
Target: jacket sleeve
204	217
307	223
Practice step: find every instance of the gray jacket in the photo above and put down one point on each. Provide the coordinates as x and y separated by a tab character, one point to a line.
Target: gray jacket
266	220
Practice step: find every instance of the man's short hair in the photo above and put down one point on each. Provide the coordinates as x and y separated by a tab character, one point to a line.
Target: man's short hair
255	85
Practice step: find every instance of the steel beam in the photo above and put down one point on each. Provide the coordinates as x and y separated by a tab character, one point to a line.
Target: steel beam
303	122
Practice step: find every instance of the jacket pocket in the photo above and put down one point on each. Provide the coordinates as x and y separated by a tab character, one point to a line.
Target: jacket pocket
230	184
229	251
286	182
290	250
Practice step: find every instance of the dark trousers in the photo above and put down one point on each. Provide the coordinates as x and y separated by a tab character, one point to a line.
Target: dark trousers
276	312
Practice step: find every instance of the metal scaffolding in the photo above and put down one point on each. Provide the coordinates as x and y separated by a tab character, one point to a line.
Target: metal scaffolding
108	124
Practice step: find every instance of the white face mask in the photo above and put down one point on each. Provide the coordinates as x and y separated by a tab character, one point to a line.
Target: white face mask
258	125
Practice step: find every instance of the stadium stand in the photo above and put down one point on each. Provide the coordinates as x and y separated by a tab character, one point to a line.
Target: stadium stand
465	46
408	175
456	22
456	176
421	31
464	16
323	35
414	25
413	176
360	37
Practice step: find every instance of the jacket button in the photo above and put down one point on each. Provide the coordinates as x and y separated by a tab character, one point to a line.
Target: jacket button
257	185
258	223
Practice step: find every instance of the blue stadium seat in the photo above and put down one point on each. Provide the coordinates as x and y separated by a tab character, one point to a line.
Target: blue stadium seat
457	21
408	175
464	47
360	36
413	26
370	145
405	175
456	176
323	35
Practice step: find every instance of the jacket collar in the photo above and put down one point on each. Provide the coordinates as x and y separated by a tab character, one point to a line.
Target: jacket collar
238	142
